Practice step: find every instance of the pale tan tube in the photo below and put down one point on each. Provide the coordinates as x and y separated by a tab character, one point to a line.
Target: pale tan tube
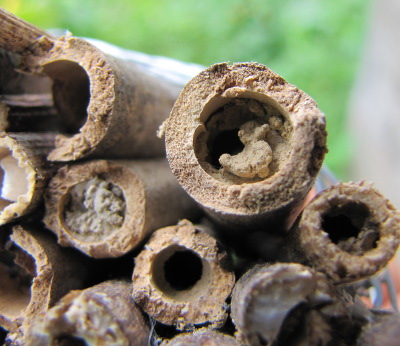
108	107
349	231
106	208
288	303
35	273
183	277
202	337
24	173
104	314
245	144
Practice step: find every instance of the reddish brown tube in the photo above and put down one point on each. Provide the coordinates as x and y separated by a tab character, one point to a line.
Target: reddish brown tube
245	144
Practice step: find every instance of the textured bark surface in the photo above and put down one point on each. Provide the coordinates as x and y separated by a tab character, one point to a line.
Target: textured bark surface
288	304
161	288
29	167
104	314
125	107
202	337
39	275
249	101
349	231
16	34
150	192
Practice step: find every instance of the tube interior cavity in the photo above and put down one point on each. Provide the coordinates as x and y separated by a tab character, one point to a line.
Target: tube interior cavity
351	227
13	179
15	288
242	140
71	93
69	340
94	209
180	273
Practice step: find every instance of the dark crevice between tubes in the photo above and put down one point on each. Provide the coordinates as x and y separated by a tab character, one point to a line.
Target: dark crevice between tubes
69	340
351	228
17	270
54	101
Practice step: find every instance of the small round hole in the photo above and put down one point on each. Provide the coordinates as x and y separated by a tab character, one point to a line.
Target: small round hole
183	269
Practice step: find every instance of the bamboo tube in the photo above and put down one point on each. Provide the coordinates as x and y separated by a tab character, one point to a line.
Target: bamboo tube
104	314
24	173
383	329
183	277
107	107
284	304
16	34
349	231
245	144
202	337
35	273
106	208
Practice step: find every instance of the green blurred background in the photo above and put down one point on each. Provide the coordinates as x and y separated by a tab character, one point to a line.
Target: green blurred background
314	44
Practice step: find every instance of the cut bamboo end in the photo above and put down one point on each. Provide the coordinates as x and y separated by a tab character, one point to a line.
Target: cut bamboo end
104	314
23	173
349	231
106	208
35	274
183	277
107	107
283	303
16	34
202	337
252	139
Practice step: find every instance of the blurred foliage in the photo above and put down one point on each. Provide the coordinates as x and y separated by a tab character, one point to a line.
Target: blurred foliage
314	44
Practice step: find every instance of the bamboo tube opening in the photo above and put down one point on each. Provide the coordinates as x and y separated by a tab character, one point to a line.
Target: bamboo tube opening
243	139
17	270
351	227
180	273
93	209
71	93
14	180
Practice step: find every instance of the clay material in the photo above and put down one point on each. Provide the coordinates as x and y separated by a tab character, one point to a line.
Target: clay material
106	208
202	337
183	277
104	314
245	144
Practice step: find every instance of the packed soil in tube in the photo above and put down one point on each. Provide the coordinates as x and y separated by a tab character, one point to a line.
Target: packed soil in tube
107	208
245	144
349	231
202	337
